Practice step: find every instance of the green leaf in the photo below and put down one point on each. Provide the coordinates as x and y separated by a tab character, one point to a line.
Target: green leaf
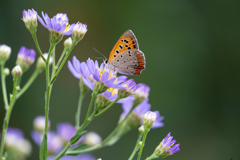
43	148
77	136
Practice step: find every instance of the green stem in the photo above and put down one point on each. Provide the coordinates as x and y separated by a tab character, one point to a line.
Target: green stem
77	118
64	60
29	82
86	121
110	105
47	93
153	156
4	90
53	63
106	140
7	116
62	55
136	146
143	142
38	47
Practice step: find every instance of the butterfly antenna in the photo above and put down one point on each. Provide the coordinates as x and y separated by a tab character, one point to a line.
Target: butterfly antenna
98	57
99	53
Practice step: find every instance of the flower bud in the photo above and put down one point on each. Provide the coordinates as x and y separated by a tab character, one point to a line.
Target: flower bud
79	30
6	71
130	87
101	103
68	43
18	88
166	148
149	119
30	20
41	64
39	123
5	52
99	88
25	58
141	129
17	72
92	139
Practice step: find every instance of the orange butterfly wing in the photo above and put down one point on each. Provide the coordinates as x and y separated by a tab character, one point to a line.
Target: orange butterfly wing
126	41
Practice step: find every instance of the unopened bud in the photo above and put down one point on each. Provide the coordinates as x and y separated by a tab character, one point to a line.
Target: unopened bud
141	129
5	52
41	64
92	139
6	71
17	72
17	88
68	43
39	123
149	119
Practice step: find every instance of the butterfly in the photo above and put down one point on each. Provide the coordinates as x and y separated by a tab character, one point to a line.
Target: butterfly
125	57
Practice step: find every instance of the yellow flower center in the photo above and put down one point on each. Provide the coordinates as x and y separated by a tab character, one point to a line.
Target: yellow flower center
101	71
113	90
67	27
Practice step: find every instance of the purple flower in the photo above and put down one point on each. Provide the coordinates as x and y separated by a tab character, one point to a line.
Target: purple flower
27	55
30	17
79	30
111	94
140	110
104	76
54	142
66	131
79	69
58	23
130	85
78	157
142	91
15	141
166	147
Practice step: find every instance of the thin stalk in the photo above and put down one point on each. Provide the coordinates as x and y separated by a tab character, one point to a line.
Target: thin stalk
77	118
53	63
38	47
4	90
86	121
61	57
63	62
7	116
136	146
143	143
29	82
47	93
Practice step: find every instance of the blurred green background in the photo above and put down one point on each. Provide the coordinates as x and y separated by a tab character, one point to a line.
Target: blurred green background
192	53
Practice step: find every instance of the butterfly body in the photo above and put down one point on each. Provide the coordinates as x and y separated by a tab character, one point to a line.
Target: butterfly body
125	57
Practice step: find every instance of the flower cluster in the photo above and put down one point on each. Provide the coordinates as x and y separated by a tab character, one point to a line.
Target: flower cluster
115	86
